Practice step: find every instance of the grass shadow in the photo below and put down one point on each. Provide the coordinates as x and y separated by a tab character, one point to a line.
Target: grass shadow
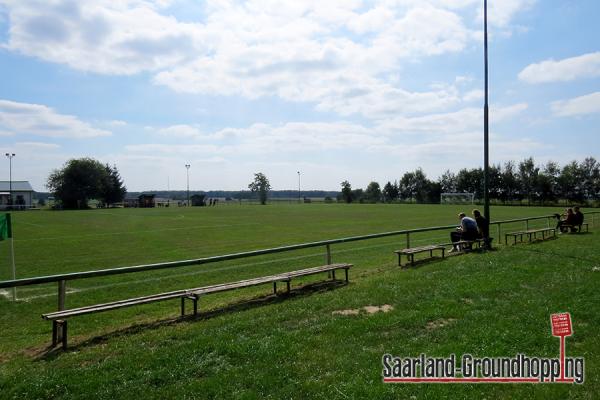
49	353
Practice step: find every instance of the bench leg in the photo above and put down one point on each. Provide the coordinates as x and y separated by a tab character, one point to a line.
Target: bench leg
275	288
64	335
399	260
288	285
346	271
54	333
333	275
183	306
195	300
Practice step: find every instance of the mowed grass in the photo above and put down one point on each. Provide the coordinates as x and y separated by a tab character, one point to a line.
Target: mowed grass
491	304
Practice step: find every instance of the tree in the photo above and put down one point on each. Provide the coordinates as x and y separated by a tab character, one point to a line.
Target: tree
113	189
510	182
390	192
415	185
261	186
346	192
590	174
547	182
470	181
79	181
373	192
569	181
528	175
447	182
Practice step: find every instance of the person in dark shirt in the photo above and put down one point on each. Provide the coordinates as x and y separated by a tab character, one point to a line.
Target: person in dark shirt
578	220
569	219
483	226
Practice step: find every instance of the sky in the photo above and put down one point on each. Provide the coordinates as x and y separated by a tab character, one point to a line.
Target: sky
337	90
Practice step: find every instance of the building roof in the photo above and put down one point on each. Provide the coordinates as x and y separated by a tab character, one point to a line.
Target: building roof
17	186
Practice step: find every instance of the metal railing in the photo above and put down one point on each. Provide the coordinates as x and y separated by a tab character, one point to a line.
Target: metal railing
63	278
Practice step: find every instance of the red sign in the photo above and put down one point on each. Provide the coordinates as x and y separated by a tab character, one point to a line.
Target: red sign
561	324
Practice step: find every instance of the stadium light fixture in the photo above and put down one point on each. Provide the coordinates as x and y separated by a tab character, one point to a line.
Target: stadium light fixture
10	157
187	172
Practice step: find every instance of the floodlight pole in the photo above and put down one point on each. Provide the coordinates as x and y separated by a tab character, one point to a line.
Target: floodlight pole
10	157
187	172
298	186
486	155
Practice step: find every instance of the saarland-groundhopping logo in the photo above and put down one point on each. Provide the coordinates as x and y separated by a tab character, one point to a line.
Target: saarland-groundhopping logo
518	369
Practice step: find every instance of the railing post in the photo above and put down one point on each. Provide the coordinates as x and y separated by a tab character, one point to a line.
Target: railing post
408	240
328	255
499	233
62	293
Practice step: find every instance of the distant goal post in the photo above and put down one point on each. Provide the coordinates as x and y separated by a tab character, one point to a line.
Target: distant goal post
457	198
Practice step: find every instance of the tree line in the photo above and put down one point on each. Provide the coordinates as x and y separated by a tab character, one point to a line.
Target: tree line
523	182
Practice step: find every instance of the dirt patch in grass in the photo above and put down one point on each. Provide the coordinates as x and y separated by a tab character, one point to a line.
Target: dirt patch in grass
439	323
366	309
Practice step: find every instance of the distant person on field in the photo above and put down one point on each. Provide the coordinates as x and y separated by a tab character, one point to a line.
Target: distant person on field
483	226
466	231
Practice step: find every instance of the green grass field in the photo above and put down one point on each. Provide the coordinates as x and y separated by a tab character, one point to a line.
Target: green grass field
252	345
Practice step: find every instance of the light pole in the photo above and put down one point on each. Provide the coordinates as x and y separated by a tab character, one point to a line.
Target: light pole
486	128
10	157
298	186
187	172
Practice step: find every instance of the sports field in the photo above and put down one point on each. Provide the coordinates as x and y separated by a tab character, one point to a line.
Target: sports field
252	345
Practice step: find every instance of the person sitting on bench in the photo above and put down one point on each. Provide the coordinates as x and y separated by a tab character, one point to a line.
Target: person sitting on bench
483	227
466	231
569	219
578	219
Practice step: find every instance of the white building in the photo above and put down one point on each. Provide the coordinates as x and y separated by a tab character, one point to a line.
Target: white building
22	194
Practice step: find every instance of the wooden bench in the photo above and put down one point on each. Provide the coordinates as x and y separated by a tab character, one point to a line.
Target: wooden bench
410	253
464	245
531	234
59	318
577	228
195	294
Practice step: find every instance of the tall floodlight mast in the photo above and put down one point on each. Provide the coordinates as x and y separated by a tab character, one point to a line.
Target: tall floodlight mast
486	155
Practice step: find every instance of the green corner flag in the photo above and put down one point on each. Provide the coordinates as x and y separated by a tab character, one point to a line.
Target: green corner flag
5	227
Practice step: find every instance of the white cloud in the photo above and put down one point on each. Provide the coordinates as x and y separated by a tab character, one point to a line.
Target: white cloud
181	131
588	104
108	37
320	52
117	123
464	120
37	145
501	13
40	120
473	95
568	69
